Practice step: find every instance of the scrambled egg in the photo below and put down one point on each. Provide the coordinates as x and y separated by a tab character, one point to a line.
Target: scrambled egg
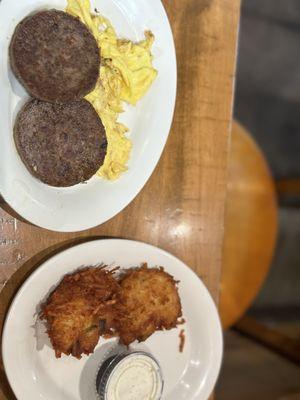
126	73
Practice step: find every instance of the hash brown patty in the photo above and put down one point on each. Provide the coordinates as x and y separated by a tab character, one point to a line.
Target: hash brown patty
60	144
75	309
148	301
55	56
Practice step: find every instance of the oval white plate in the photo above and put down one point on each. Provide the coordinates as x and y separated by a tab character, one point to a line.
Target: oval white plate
87	205
34	372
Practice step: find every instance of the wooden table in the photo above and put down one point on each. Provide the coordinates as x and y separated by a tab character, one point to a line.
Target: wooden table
181	209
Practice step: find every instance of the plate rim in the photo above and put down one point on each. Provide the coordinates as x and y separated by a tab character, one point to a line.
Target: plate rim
137	188
9	314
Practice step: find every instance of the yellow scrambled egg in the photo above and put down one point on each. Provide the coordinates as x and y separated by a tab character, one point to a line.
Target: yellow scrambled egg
126	73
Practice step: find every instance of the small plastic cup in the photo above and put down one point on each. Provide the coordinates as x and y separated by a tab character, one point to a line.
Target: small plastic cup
130	375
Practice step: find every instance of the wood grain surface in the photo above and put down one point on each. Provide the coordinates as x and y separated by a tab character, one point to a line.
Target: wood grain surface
181	209
250	226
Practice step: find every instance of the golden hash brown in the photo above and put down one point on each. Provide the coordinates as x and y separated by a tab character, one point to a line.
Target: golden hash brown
91	302
76	309
148	301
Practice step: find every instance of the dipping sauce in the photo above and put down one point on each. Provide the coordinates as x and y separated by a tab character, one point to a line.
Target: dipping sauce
130	376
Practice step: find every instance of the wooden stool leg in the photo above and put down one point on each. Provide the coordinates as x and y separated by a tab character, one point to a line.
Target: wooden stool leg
270	338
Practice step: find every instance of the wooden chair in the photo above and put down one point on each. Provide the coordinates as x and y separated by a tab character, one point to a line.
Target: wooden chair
250	226
249	242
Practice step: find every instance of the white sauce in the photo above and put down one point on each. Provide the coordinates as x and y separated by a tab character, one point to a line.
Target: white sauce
137	377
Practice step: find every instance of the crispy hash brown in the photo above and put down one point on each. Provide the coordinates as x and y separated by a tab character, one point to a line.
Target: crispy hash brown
148	301
79	310
91	303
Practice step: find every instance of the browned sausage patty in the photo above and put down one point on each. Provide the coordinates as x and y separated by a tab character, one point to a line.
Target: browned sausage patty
60	144
55	56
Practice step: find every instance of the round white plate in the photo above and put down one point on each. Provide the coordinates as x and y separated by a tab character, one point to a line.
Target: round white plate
87	205
35	373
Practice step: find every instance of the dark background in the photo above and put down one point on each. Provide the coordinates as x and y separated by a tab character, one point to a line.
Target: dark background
267	103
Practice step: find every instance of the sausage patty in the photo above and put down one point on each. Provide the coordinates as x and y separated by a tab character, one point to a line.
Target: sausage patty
60	144
55	56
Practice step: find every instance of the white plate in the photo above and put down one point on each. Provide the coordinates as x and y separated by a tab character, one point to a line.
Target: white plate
87	205
35	373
